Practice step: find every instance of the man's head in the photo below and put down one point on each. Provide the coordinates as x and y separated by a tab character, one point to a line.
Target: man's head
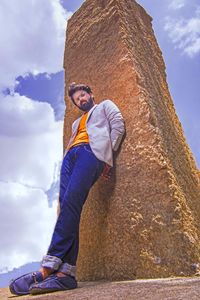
81	95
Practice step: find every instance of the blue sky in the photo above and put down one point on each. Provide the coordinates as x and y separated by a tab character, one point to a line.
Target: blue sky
32	108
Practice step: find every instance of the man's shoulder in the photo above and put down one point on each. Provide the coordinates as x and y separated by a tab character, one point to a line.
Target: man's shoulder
106	102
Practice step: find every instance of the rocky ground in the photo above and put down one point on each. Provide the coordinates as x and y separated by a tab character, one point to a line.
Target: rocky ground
154	289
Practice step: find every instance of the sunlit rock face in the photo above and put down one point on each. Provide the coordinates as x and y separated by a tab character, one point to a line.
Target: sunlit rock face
144	222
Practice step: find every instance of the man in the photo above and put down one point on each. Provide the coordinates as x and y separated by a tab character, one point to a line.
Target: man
89	154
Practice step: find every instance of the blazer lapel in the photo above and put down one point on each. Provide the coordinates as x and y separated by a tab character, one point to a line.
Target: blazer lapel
75	127
76	124
91	111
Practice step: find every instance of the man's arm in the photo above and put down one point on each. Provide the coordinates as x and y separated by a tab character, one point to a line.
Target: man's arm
117	130
116	121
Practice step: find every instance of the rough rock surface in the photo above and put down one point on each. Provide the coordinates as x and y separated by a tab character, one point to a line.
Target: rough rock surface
150	289
144	222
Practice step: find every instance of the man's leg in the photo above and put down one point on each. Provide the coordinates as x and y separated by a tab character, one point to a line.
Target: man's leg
65	240
80	170
50	264
84	171
21	285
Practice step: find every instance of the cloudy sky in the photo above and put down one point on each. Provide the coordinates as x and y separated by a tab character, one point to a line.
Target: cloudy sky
31	121
32	37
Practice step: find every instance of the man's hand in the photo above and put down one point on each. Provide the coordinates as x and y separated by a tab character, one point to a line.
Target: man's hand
107	172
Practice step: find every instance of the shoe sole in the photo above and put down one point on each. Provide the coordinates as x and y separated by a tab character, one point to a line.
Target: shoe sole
43	291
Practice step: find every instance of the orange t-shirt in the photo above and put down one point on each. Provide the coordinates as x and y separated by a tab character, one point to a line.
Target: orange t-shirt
81	136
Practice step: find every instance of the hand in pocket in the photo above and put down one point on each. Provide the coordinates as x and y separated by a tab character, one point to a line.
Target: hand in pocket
107	172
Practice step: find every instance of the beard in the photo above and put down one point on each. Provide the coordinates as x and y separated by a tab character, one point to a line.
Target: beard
87	105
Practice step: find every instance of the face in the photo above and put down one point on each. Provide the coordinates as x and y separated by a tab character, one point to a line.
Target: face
83	100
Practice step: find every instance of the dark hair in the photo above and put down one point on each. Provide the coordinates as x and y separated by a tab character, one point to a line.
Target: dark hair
73	87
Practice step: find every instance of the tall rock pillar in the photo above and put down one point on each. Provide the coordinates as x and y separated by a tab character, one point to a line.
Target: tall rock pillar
145	221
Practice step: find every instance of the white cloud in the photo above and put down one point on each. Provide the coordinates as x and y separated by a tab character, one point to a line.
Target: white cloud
26	224
185	33
176	4
32	35
31	141
20	116
31	146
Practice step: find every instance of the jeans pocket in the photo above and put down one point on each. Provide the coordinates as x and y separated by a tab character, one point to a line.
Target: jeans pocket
88	149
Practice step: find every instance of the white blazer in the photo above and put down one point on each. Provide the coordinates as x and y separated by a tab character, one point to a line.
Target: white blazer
105	127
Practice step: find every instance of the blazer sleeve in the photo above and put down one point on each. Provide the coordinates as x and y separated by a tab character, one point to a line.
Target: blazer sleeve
116	122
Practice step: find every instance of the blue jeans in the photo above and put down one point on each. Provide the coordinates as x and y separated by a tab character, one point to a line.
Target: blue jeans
79	171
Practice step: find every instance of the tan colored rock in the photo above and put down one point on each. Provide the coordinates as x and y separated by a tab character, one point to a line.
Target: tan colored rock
149	289
144	222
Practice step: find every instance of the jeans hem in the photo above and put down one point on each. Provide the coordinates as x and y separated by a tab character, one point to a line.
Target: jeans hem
67	269
52	262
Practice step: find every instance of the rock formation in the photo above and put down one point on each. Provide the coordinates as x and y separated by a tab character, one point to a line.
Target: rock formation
145	221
